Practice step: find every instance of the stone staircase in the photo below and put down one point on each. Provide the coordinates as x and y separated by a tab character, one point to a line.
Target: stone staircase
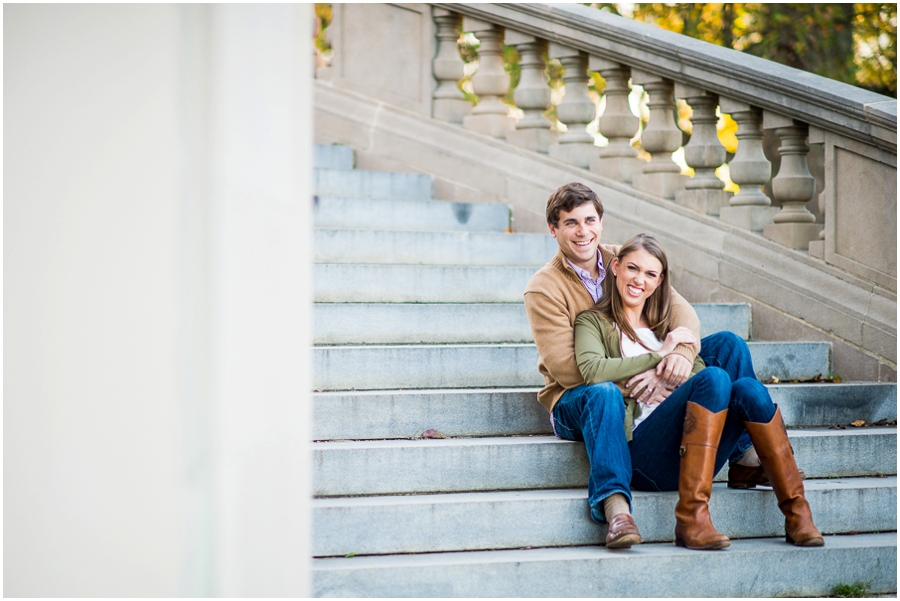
419	325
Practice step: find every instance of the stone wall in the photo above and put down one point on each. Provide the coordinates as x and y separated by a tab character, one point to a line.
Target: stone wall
794	296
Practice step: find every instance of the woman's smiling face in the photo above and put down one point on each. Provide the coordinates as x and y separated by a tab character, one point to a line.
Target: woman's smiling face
638	275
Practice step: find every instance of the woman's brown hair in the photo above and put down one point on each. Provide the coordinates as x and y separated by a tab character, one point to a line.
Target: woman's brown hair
657	309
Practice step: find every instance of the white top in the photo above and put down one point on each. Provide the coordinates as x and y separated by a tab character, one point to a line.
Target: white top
633	349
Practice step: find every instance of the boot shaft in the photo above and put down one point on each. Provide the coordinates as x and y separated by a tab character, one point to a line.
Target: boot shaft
699	443
777	458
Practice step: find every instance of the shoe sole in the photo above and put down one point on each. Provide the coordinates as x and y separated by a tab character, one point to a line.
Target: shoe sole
747	484
624	542
711	547
812	542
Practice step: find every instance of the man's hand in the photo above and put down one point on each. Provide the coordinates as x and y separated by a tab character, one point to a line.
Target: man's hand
648	388
674	370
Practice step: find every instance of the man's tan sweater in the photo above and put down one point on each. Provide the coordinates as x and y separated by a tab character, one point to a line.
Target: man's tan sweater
554	297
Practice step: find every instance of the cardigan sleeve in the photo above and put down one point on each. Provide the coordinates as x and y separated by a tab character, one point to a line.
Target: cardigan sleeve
597	362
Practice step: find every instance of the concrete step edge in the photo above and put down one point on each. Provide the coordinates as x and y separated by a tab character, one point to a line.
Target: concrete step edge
476	412
501	365
410	212
372	184
437	323
333	156
544	440
559	517
379	467
755	567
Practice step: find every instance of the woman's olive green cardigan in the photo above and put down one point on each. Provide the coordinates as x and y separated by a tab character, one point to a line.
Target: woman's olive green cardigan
599	356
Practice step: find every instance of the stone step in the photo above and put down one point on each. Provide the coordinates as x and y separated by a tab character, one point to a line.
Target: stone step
455	323
359	183
505	365
749	568
555	518
363	283
417	323
403	213
493	247
333	156
378	414
381	467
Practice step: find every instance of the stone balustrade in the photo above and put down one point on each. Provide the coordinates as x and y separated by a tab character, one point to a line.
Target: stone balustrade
856	128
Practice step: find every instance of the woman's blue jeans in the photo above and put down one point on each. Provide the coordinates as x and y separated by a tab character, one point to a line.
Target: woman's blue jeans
655	444
596	413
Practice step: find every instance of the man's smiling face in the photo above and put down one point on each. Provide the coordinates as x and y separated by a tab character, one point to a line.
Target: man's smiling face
578	235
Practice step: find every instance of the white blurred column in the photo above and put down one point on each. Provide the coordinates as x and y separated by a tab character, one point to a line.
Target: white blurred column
260	288
157	224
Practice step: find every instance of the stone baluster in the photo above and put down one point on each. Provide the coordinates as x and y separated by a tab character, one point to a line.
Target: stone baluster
490	116
450	103
661	176
618	160
817	246
704	153
750	208
793	187
532	95
576	110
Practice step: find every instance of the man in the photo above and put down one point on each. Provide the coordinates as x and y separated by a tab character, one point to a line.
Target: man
569	284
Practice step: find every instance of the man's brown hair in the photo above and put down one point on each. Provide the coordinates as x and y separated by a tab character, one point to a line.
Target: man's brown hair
569	196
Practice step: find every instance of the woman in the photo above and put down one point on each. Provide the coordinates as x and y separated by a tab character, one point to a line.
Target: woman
674	444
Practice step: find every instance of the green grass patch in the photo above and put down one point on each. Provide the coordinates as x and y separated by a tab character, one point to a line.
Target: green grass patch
857	589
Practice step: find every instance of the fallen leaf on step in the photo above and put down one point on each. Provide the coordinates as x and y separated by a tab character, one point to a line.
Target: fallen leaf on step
881	422
816	379
837	427
432	434
858	423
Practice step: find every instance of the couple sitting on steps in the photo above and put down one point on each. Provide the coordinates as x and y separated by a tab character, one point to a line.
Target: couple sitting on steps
626	373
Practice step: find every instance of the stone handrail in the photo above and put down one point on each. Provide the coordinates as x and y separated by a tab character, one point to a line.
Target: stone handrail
855	128
815	100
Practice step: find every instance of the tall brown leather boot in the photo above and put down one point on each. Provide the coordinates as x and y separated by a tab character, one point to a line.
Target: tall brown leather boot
777	458
702	430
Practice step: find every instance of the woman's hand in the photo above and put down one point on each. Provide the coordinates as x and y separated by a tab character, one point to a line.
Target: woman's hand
680	335
648	388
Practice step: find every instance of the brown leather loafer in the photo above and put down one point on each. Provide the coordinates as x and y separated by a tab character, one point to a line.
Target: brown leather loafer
742	476
622	532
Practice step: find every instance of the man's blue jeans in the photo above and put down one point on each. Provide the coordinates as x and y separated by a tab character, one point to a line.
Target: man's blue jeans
596	414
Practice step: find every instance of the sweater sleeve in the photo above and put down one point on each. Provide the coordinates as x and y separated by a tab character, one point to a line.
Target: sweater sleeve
554	337
683	314
594	360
